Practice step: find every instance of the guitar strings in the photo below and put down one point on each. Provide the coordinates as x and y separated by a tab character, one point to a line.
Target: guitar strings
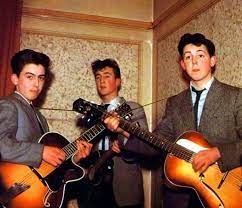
184	153
69	150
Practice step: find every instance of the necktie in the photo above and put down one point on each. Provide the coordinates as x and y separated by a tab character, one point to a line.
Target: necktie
105	137
195	107
38	119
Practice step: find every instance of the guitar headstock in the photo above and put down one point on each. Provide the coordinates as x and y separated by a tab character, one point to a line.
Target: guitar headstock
90	113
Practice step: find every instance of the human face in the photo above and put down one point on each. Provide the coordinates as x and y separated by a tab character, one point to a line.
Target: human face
30	81
198	64
106	83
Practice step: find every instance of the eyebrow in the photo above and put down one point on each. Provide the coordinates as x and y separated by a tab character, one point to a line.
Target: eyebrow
200	50
30	73
103	73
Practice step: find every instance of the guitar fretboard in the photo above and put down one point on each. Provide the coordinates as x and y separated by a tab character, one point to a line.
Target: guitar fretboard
88	136
123	110
160	142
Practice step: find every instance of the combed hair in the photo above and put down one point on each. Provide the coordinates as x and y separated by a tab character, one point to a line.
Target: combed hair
28	56
98	65
198	40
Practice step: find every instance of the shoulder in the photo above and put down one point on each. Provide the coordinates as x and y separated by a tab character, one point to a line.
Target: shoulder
134	105
227	89
8	107
179	97
10	101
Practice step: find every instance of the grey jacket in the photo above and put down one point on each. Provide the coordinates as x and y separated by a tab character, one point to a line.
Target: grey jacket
220	124
127	176
20	131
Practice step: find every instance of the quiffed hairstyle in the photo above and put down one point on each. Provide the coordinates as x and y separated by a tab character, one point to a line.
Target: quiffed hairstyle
28	56
99	65
196	39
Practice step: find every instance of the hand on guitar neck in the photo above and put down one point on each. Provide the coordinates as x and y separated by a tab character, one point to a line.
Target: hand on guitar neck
201	160
56	156
112	123
83	150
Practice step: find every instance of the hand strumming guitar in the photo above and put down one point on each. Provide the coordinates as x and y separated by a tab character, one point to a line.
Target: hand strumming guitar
204	158
115	147
53	155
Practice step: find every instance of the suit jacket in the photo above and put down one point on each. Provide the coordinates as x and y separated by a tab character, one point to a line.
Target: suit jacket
127	172
220	124
20	131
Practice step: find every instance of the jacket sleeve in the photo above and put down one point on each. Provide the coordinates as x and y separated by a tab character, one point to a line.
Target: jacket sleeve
231	153
12	149
135	144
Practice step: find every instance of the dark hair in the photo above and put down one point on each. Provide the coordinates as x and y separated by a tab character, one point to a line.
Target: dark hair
99	65
28	56
198	40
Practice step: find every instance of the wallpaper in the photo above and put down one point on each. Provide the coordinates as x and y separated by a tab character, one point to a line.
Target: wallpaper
222	24
72	76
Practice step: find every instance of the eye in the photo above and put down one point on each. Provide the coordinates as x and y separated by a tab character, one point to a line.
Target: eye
107	76
42	78
30	77
97	77
187	57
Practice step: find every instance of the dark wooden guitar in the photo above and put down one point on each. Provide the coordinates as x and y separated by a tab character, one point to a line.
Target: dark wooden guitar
214	188
29	187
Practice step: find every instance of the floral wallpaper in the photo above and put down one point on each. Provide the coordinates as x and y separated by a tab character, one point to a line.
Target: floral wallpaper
72	75
222	24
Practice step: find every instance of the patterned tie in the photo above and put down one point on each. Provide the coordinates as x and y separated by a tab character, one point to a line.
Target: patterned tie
38	119
195	107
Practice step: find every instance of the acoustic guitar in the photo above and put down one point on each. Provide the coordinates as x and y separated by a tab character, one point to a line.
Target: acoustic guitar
30	187
214	188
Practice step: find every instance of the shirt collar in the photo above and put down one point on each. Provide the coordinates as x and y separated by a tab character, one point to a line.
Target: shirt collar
29	102
114	103
206	86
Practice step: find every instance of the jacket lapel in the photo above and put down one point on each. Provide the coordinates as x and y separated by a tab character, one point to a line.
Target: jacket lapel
213	102
186	111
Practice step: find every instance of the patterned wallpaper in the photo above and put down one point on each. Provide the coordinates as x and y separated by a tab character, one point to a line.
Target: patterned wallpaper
71	59
222	24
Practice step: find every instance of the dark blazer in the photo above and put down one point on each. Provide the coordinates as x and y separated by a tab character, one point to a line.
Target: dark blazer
221	121
127	172
20	131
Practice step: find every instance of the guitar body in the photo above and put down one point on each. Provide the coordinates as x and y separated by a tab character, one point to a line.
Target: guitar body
22	186
180	173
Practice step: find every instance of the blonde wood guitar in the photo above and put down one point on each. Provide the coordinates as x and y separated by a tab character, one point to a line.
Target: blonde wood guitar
214	188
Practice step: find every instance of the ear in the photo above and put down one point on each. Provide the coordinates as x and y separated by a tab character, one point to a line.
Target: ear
118	82
213	61
14	79
182	65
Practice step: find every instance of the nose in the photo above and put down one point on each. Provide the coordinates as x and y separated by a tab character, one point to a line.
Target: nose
102	80
36	82
194	59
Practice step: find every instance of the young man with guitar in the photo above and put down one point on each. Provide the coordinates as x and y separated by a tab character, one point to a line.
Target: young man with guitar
126	181
22	125
217	115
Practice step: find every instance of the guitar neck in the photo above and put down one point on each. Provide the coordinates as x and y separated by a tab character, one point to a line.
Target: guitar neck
88	136
157	141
